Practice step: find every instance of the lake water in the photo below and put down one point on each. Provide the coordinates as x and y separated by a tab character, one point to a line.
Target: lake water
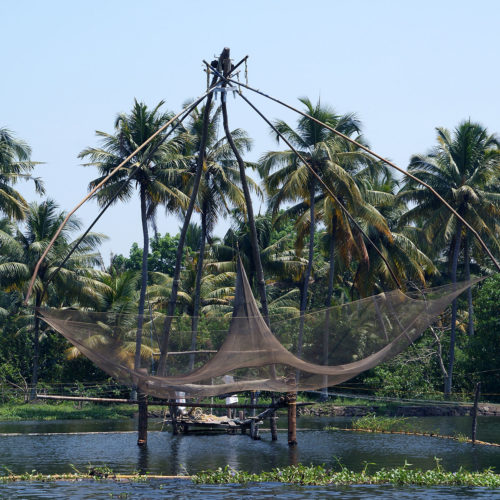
62	446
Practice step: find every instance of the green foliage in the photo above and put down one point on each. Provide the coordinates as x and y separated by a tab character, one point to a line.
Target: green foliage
160	259
413	373
484	359
376	423
64	410
164	170
15	164
319	475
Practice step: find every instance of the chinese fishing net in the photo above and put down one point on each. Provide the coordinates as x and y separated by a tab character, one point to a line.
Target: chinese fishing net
338	343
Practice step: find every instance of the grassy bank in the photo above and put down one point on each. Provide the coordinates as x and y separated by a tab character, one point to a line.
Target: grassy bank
63	410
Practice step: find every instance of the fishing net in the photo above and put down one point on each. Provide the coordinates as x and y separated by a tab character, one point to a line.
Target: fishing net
338	343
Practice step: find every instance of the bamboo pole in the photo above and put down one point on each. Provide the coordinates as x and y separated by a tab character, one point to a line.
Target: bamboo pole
142	427
261	283
200	163
173	417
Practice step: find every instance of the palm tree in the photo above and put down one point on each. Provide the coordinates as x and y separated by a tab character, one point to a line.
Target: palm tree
280	263
15	164
294	182
218	191
156	171
119	291
75	282
460	168
398	245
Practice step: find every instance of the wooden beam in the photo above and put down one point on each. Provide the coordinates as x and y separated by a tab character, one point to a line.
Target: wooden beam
165	403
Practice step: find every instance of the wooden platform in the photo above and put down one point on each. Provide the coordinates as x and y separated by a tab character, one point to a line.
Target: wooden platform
187	424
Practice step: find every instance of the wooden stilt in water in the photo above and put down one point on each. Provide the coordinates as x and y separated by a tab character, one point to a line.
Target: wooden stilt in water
254	428
173	418
242	417
474	412
272	423
142	426
292	418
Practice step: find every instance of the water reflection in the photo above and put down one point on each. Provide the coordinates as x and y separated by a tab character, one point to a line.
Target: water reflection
143	459
293	455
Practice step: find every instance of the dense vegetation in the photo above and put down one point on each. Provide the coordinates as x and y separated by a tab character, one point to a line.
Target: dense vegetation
312	254
294	475
319	475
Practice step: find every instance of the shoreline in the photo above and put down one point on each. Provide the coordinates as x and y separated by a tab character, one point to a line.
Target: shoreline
43	412
444	410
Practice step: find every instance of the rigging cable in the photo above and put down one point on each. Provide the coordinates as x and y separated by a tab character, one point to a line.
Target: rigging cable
330	192
187	111
100	184
381	158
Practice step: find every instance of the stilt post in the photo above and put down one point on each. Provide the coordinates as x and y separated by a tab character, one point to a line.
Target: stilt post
272	422
173	418
474	412
292	418
254	428
142	426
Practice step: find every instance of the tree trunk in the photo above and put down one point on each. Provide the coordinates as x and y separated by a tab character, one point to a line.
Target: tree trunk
144	280
261	284
328	303
470	326
451	361
331	272
307	276
141	397
162	363
197	289
36	347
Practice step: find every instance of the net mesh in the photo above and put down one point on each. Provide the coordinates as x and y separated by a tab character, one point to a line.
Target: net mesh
338	342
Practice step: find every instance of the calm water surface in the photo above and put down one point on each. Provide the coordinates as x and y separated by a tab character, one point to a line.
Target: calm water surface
53	447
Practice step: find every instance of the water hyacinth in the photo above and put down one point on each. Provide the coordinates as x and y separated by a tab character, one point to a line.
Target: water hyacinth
318	475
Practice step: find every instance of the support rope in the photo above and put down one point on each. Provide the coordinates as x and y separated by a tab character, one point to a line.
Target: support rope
113	198
330	192
381	158
100	184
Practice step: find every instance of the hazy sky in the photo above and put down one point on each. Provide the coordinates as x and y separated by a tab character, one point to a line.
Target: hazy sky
68	68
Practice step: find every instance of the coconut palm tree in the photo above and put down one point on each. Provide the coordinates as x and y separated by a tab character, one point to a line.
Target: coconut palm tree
15	165
280	263
219	189
461	168
398	243
75	283
155	171
287	179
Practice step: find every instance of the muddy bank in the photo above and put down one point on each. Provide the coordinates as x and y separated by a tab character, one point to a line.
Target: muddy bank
399	411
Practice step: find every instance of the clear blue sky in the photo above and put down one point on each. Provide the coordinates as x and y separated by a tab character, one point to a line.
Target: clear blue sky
68	67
